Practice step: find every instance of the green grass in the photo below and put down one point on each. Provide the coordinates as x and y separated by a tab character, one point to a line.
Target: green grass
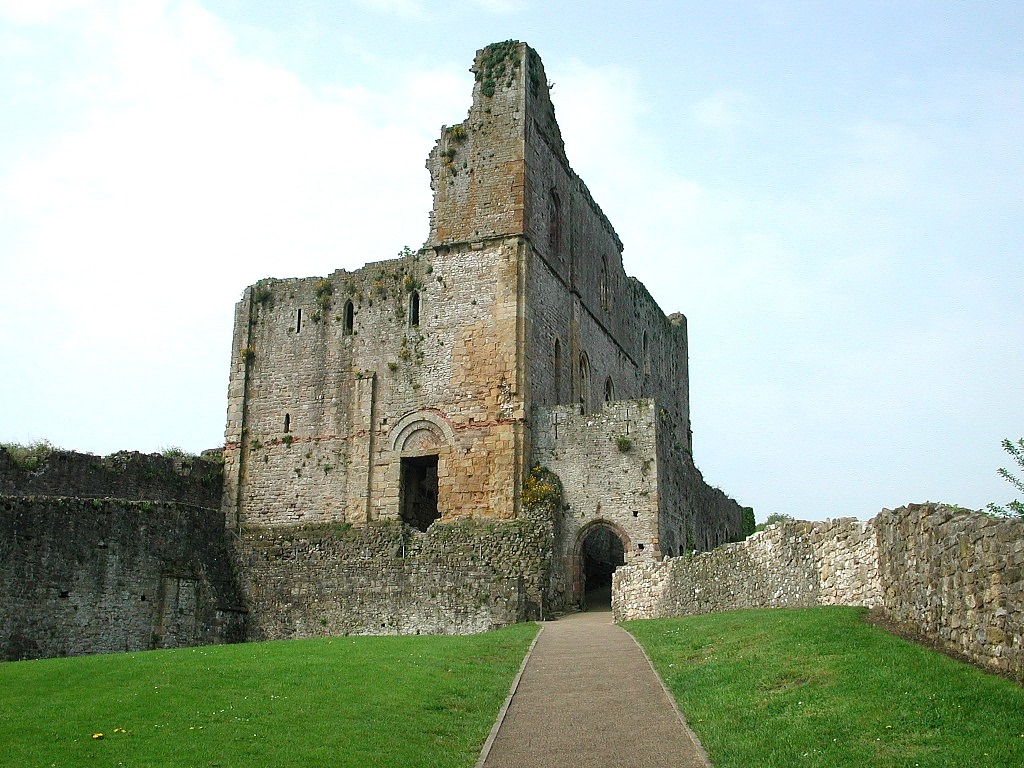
821	687
366	701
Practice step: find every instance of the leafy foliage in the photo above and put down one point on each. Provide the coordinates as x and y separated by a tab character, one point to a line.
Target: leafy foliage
774	517
1015	508
28	457
749	522
542	491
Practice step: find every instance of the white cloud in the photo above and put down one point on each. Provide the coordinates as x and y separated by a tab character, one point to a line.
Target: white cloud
195	172
39	11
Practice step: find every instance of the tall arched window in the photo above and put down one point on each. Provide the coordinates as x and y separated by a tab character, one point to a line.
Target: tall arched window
604	289
609	390
557	365
350	318
414	308
554	225
584	382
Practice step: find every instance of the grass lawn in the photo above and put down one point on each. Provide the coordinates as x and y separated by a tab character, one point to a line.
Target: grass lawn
821	687
346	701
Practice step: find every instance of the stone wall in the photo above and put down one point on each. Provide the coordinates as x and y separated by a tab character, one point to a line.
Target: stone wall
124	475
958	578
103	575
384	578
793	564
953	577
333	381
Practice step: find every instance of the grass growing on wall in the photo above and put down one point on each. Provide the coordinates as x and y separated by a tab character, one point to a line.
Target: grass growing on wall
381	701
822	688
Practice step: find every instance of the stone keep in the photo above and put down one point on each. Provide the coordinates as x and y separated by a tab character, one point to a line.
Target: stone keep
425	387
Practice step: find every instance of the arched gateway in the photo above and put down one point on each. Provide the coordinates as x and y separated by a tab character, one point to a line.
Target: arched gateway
601	547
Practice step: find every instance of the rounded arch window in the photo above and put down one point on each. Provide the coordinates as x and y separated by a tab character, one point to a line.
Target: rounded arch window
554	224
414	308
609	390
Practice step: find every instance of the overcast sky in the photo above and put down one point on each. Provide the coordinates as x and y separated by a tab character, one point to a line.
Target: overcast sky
831	192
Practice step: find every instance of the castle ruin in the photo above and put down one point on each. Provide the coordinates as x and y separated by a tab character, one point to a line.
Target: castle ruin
424	388
469	435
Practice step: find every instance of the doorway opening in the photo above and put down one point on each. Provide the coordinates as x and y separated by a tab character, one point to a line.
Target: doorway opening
601	553
418	493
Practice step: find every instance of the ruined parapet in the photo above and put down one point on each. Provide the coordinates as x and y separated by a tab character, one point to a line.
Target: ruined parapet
44	471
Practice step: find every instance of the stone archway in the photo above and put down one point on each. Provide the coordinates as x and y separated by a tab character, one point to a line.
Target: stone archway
600	548
420	441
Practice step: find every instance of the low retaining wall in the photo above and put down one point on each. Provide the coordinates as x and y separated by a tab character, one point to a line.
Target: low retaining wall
953	577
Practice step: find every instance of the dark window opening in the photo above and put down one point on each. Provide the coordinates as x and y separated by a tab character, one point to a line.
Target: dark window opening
298	320
584	383
414	308
554	225
350	318
418	497
605	291
601	554
646	356
287	422
609	390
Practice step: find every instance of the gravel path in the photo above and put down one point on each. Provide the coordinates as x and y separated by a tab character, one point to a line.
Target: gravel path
588	696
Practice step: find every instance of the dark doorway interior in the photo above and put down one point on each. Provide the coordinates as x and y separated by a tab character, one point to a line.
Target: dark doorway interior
419	491
602	553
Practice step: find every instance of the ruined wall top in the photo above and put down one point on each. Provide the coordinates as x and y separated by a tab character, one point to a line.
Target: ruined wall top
490	172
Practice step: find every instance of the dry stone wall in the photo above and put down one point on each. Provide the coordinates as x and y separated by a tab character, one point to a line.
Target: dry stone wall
791	564
954	577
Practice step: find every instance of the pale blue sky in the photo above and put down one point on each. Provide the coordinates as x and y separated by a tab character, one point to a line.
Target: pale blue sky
832	192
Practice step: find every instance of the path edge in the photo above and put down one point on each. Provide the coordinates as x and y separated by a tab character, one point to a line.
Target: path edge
486	749
701	752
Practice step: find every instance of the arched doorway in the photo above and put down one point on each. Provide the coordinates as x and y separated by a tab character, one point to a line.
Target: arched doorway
601	551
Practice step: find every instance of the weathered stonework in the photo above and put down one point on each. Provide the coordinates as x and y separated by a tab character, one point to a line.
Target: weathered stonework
119	553
422	390
954	577
386	426
792	564
957	577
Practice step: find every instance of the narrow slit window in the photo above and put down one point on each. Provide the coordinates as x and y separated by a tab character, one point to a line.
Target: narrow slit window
554	224
558	371
414	308
298	319
287	422
584	383
350	318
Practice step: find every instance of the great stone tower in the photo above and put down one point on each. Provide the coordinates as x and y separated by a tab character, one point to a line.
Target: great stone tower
422	389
